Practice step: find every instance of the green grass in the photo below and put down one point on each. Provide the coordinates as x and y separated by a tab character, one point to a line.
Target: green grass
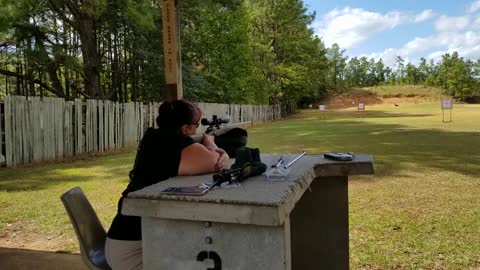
420	210
30	197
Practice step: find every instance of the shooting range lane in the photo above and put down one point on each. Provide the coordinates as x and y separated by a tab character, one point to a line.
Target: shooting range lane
298	223
256	201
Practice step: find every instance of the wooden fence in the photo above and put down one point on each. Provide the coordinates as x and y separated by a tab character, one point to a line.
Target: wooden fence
38	129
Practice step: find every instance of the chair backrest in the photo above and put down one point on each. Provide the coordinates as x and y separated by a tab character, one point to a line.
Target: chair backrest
89	230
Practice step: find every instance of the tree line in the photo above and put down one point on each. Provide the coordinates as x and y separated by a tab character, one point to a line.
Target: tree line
233	51
459	77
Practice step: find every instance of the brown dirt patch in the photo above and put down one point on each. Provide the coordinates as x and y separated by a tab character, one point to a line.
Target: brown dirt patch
27	240
341	101
23	259
22	237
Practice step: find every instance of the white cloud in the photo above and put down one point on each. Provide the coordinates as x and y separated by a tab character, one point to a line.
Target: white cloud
424	15
417	45
464	43
467	44
476	23
388	56
474	7
436	55
445	23
350	26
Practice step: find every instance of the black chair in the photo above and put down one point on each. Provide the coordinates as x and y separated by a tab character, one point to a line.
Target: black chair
90	232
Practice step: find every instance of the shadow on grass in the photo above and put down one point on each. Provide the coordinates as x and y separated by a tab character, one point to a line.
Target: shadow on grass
377	114
38	178
394	146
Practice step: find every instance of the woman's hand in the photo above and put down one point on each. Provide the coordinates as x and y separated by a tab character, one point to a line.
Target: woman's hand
209	142
222	160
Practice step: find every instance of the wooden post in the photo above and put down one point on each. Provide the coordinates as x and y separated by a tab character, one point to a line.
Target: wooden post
171	49
2	157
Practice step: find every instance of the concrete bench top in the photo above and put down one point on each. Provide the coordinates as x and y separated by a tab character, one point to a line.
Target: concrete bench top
256	201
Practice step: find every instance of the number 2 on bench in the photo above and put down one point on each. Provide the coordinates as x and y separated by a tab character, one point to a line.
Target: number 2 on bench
212	255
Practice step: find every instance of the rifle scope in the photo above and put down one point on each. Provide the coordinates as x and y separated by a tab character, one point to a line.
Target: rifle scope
215	121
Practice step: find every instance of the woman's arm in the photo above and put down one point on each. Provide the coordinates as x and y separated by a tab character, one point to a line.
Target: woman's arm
209	142
197	159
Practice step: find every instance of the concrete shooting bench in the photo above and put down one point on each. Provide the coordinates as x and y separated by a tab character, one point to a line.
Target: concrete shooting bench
300	223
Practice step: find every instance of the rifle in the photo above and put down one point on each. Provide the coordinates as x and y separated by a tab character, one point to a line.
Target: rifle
214	123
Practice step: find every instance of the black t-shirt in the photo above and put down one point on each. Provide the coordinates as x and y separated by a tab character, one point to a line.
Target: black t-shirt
158	158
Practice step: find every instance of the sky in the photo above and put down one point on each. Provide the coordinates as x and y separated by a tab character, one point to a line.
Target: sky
408	28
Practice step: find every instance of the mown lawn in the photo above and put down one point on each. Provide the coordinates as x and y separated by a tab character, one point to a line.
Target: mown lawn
421	209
